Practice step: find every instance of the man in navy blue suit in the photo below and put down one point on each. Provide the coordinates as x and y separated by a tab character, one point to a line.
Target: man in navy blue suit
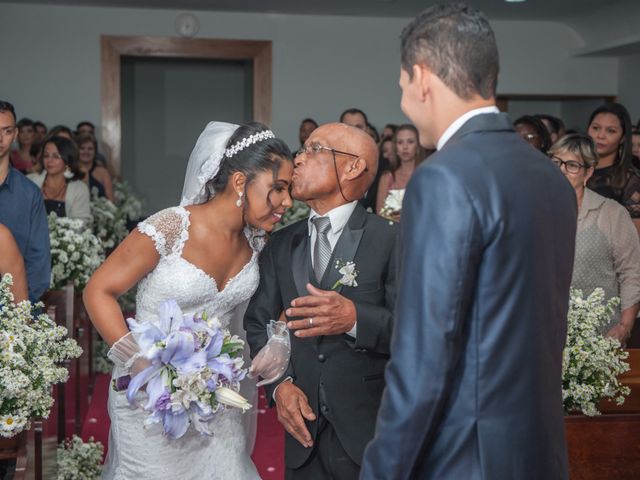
474	388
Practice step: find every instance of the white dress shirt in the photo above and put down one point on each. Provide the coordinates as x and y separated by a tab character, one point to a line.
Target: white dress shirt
339	217
455	126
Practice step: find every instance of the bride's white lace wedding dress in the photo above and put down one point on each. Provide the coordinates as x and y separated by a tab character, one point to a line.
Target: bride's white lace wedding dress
137	452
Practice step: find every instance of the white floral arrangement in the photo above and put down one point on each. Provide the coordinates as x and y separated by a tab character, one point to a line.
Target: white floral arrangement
127	201
79	460
348	272
32	351
75	252
393	203
591	362
297	212
109	222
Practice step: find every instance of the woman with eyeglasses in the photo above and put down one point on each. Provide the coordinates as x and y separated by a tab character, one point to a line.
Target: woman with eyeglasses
61	182
607	245
615	177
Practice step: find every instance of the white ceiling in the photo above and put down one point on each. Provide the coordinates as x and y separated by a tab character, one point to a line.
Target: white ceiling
559	10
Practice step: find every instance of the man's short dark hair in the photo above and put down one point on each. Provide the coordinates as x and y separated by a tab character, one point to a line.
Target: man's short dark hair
554	122
456	42
87	123
25	122
309	120
7	107
38	123
352	111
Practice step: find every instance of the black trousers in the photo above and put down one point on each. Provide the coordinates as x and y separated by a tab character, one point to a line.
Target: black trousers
328	460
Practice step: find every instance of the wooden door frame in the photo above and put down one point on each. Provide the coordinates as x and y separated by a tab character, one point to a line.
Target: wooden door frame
114	47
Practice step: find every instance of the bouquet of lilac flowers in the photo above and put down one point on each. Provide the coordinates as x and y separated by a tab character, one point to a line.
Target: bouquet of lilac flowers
195	370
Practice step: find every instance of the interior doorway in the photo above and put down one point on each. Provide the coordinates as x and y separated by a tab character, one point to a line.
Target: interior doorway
158	93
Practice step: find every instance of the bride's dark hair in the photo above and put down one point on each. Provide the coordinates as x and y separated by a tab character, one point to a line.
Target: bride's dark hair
264	155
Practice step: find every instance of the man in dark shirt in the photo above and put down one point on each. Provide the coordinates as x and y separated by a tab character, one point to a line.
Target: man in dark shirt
22	210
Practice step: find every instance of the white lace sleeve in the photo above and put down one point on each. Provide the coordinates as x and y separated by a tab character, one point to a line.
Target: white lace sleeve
169	230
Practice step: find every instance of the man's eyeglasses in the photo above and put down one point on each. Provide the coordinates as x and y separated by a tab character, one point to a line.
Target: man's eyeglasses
571	165
7	130
314	148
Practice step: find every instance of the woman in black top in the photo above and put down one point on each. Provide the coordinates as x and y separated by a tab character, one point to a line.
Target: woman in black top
615	176
96	176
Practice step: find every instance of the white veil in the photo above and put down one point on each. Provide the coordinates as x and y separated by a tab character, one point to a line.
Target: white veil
204	164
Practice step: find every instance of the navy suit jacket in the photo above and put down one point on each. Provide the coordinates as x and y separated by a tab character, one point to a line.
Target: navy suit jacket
474	387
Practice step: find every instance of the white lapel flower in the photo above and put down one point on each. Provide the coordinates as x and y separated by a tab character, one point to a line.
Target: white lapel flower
349	274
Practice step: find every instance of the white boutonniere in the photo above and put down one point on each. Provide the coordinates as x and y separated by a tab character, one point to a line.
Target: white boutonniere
349	274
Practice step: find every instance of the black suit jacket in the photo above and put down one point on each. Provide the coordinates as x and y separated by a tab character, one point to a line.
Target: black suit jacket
342	376
474	386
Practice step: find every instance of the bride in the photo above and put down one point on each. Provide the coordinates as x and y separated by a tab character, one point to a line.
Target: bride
202	254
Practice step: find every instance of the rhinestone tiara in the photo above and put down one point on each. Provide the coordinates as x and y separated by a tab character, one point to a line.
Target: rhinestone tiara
246	142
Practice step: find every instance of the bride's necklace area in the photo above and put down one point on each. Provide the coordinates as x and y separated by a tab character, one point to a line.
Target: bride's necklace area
50	194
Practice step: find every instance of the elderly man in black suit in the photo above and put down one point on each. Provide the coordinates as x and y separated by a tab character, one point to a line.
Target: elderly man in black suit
474	385
329	397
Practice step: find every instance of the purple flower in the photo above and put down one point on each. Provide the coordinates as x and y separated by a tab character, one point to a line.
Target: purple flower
163	401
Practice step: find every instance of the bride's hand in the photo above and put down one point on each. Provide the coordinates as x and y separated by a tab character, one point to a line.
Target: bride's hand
272	360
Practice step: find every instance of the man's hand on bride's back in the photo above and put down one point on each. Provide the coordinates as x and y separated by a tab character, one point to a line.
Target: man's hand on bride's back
324	312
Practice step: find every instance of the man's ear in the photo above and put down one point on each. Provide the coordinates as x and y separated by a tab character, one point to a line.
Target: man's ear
355	168
422	78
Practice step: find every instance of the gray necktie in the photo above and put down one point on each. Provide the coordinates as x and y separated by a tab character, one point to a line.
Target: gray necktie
322	248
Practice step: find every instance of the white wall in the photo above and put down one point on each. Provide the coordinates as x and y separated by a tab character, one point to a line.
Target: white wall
321	65
629	94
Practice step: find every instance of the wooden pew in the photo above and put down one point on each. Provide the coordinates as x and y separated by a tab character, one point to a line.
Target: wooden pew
608	446
15	449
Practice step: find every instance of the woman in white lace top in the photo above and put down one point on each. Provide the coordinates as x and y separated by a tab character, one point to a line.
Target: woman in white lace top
607	246
203	255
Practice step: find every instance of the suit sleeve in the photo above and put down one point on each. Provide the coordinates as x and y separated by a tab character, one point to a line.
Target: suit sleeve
37	256
375	322
439	256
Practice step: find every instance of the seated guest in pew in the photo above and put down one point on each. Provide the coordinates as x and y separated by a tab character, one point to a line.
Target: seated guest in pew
607	246
95	176
22	211
61	182
11	262
532	130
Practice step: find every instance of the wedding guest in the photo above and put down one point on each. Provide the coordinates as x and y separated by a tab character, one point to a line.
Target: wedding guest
615	176
95	176
635	143
532	130
307	126
485	262
407	156
354	117
22	210
85	128
40	133
387	151
373	133
389	130
11	262
60	131
552	124
607	245
88	128
61	183
21	158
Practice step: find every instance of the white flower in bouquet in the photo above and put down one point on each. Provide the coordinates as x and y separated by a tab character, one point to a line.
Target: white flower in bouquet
68	237
591	363
348	272
78	460
393	203
127	202
109	222
32	351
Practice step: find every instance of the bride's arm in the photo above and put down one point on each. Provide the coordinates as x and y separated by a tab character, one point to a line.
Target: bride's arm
134	258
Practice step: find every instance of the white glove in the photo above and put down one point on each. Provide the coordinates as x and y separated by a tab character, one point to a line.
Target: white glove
272	359
125	354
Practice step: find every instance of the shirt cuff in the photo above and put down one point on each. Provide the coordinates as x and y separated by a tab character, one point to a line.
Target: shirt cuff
273	395
353	331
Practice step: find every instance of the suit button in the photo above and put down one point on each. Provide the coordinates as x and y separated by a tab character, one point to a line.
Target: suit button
321	358
324	408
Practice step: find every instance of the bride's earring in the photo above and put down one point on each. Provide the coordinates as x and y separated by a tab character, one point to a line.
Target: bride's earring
239	201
